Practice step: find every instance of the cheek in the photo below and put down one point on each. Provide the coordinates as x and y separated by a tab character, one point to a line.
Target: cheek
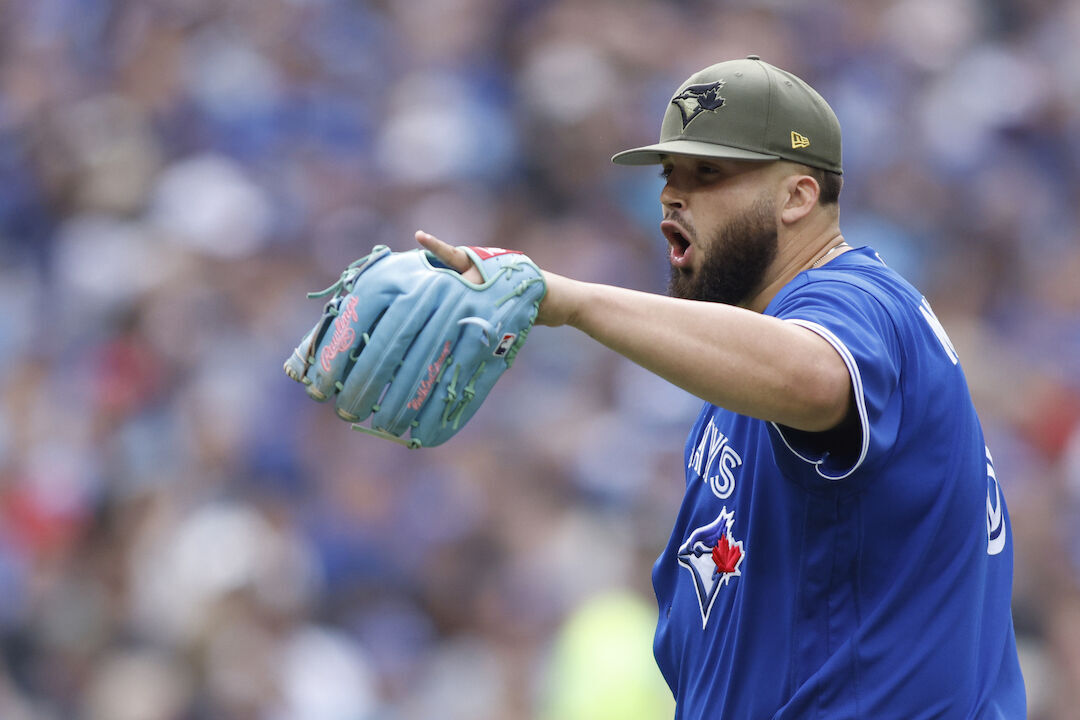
710	236
711	222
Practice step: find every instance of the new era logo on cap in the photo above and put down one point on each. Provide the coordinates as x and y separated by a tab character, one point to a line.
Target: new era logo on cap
799	141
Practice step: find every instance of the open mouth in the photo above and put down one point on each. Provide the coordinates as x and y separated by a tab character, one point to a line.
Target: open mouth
678	242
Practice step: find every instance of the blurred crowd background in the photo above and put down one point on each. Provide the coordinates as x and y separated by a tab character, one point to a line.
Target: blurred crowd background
185	536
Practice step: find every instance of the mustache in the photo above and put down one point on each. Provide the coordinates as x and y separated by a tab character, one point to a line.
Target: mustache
676	216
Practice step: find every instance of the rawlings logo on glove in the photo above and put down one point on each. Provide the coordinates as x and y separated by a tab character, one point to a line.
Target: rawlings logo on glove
411	344
432	375
344	335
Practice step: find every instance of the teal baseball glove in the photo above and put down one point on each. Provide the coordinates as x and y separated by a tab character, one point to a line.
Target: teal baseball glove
411	344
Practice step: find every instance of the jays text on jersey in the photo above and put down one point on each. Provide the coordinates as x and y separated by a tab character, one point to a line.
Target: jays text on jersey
808	577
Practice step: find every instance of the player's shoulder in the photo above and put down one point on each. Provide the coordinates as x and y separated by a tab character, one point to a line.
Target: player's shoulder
859	277
861	268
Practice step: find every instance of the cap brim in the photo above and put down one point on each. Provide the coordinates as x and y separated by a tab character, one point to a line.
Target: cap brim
653	154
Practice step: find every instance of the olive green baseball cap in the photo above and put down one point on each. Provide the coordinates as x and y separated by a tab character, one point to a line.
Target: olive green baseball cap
745	110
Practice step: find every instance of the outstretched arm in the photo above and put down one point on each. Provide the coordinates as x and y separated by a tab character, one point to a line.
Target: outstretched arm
749	363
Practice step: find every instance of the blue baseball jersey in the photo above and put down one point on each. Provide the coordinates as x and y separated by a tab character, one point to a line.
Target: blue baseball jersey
862	573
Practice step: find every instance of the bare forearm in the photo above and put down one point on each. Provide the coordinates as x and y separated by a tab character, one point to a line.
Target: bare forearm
750	363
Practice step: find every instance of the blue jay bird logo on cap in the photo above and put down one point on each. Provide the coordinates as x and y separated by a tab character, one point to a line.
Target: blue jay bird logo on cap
696	99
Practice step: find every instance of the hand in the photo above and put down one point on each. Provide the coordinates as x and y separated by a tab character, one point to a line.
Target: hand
556	308
452	256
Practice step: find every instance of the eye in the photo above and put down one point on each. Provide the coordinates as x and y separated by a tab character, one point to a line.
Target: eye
665	173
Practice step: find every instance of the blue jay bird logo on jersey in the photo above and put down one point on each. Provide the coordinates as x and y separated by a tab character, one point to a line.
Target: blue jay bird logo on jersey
713	558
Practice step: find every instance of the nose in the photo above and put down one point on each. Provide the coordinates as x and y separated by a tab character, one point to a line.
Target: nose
671	198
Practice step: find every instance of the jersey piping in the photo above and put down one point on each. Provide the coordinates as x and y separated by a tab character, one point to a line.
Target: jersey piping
860	402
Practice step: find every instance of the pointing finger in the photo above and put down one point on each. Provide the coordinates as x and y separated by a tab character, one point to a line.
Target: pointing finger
452	256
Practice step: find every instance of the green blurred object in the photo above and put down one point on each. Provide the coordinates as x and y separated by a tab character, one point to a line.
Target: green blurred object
602	667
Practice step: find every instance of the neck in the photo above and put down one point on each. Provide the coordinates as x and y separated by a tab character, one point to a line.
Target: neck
803	249
826	256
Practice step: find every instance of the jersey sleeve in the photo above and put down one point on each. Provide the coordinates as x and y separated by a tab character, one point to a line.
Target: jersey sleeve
864	335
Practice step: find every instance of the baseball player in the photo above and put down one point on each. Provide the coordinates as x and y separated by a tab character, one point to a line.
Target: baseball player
843	549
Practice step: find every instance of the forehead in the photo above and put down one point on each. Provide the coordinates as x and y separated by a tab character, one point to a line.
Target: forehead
726	166
680	159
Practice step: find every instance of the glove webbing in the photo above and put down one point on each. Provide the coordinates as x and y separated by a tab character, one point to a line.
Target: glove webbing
348	276
342	286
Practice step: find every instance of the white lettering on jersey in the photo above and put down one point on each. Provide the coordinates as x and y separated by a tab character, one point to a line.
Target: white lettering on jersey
714	461
995	513
939	330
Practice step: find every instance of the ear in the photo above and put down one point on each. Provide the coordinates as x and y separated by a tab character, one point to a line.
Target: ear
800	196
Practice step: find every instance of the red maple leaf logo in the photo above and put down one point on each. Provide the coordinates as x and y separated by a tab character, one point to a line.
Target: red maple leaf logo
726	555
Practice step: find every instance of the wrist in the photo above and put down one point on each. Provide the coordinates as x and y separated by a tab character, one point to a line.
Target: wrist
559	306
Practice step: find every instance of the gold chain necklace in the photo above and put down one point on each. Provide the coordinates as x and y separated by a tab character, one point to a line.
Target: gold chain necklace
829	252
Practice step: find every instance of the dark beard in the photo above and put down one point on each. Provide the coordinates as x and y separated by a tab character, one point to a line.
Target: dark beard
735	260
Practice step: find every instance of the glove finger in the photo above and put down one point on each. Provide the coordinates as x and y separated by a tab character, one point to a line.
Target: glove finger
461	389
341	341
370	285
297	364
379	360
421	369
